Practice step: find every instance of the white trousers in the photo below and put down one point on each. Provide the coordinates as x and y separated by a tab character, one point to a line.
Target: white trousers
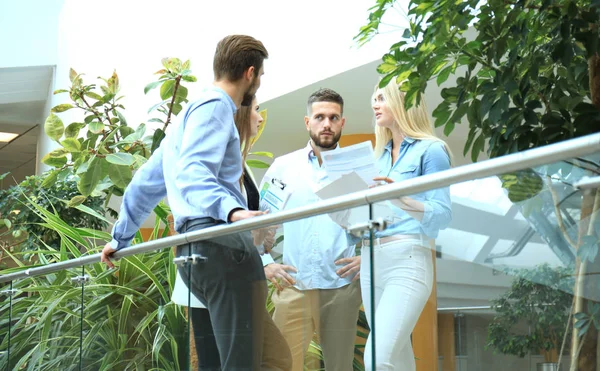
403	275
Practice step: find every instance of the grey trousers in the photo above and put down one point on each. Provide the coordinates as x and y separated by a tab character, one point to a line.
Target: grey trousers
232	285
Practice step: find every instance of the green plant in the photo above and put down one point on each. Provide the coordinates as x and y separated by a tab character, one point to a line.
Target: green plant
528	74
104	156
531	315
116	321
25	226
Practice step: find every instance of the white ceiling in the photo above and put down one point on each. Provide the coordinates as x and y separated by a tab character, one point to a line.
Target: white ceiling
23	95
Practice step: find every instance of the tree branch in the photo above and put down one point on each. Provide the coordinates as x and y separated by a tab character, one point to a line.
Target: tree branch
480	60
168	120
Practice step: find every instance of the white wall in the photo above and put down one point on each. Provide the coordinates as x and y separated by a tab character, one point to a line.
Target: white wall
29	32
307	41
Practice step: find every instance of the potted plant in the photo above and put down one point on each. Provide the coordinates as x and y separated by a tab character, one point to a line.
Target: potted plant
530	316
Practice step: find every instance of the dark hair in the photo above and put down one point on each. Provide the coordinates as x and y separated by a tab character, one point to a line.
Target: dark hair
325	95
235	54
242	123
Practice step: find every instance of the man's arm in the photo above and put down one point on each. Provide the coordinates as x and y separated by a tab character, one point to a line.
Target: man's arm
204	143
144	192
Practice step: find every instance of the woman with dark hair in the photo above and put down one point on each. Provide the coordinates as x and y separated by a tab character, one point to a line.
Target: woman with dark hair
247	121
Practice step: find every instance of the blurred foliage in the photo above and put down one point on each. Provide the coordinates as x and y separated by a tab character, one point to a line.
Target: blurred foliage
531	315
22	228
528	70
119	320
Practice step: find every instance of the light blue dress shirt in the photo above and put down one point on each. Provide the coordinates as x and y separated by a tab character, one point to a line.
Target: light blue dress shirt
198	167
418	157
312	245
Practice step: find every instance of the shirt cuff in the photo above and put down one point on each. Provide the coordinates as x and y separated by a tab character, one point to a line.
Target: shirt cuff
115	244
228	207
427	221
267	259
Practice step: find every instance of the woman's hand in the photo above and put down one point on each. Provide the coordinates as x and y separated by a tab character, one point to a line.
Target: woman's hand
381	180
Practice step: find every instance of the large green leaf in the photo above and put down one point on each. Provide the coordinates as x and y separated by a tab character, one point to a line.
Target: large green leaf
262	154
73	129
71	144
166	90
257	164
61	108
76	201
54	161
97	169
96	127
50	179
157	138
120	175
54	127
121	158
152	85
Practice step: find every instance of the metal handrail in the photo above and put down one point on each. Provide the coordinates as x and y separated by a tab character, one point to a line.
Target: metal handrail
535	157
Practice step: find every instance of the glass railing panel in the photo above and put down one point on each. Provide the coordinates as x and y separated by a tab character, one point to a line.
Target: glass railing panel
293	284
507	279
7	294
130	321
45	323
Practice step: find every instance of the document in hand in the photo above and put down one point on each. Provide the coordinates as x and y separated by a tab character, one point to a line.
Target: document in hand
349	183
273	196
358	158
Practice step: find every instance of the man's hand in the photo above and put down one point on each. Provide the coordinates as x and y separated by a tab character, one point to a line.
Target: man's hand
277	273
242	214
350	266
105	255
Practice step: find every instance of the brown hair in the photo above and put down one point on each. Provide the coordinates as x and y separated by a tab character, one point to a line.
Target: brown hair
324	95
242	123
235	54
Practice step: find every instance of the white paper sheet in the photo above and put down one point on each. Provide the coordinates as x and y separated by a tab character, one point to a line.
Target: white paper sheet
358	158
346	184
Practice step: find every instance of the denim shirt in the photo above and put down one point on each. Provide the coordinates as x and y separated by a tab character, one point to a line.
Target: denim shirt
198	166
416	158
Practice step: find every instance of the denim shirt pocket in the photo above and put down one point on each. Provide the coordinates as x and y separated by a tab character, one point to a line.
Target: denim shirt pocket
405	172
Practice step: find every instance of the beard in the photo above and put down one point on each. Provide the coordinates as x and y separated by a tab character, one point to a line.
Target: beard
247	100
249	94
327	142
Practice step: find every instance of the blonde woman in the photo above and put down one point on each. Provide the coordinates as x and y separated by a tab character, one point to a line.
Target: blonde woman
406	147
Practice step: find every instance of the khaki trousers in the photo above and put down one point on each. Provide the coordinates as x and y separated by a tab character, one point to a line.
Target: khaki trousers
331	313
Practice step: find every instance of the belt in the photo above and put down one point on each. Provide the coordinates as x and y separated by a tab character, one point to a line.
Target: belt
203	221
397	237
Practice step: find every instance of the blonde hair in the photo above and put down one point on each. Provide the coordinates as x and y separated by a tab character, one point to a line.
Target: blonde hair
413	123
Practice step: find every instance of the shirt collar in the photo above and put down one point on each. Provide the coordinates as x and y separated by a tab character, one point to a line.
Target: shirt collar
409	140
227	97
310	153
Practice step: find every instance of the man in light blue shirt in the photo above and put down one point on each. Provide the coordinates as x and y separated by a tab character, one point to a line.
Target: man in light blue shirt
198	167
320	270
